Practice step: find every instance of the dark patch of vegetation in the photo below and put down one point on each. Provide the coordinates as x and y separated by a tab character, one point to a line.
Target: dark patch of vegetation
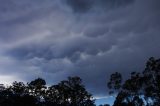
141	89
69	92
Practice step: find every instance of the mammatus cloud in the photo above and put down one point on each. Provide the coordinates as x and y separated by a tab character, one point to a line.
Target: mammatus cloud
82	6
91	39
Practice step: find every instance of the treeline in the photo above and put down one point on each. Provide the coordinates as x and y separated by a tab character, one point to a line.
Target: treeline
140	89
70	92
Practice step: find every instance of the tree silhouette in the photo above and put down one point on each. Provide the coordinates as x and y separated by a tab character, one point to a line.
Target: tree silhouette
18	88
16	95
70	92
140	89
37	87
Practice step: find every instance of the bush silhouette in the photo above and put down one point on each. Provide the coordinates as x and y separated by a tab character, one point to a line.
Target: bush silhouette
70	92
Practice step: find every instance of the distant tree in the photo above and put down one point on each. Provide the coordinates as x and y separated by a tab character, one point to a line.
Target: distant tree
18	88
70	92
115	82
139	88
129	92
37	87
151	78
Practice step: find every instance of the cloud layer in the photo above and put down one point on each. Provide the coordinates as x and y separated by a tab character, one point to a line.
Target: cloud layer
91	39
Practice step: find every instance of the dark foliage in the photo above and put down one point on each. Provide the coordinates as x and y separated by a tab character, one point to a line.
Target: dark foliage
69	92
141	89
105	105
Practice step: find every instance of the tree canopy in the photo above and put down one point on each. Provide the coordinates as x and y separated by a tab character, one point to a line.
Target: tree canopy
141	89
70	92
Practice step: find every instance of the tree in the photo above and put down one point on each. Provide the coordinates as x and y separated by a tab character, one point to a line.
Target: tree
139	88
115	82
37	87
151	77
70	92
16	95
18	88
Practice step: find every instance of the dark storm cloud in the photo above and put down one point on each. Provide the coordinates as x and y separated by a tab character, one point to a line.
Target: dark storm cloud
71	48
82	6
50	40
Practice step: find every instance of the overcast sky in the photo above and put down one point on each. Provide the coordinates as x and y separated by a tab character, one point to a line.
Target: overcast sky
54	39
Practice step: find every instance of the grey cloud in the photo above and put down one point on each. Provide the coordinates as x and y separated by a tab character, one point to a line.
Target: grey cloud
91	45
24	14
82	6
96	31
71	48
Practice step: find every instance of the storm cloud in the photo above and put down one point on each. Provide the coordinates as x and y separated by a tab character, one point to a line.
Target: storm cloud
86	38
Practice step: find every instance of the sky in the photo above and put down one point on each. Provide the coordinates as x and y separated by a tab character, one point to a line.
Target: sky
54	39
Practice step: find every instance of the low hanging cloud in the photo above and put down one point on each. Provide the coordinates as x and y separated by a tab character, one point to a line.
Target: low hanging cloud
90	39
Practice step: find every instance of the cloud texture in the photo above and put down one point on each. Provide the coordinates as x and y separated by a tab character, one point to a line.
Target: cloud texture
87	38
